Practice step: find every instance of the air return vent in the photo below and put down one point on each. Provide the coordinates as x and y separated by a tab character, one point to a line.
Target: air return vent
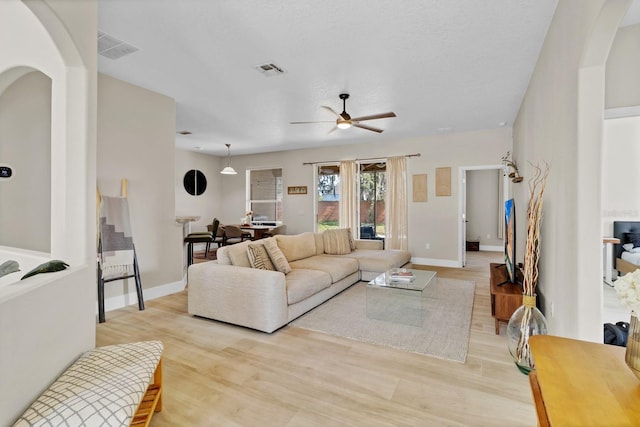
270	69
113	48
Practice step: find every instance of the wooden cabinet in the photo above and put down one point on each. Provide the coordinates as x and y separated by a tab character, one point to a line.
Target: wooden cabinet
505	297
473	245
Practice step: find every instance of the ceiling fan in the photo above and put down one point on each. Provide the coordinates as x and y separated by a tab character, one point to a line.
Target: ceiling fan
345	121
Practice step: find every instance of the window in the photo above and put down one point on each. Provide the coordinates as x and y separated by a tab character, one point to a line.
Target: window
328	197
373	187
264	194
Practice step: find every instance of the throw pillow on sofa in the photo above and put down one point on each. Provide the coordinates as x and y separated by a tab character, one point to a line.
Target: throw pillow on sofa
337	241
259	257
276	255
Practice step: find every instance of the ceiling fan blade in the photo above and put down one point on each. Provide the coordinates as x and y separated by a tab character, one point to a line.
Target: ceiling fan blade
332	130
304	123
358	125
374	116
331	110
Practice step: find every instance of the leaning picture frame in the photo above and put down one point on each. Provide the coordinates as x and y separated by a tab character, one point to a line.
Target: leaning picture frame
301	189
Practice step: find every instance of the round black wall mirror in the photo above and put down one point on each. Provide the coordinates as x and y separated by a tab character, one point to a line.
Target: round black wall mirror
195	182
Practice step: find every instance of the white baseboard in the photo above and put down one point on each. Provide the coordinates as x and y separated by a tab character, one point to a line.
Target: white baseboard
492	248
130	298
436	262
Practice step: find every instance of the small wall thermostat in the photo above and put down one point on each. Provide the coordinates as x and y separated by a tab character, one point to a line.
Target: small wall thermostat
6	172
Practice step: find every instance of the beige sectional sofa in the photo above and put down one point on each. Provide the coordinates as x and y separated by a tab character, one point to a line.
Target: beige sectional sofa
231	290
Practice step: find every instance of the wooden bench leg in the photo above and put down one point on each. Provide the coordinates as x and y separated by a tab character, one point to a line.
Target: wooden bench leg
157	380
151	401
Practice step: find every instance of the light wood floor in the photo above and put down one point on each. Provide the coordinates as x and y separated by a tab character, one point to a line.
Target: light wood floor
222	375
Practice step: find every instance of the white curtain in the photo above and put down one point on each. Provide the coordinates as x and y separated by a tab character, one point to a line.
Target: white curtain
349	196
396	204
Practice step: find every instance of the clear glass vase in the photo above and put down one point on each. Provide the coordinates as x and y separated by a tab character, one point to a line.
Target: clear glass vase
525	322
632	355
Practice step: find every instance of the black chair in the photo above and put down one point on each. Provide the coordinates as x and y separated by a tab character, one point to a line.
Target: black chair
217	231
207	237
367	232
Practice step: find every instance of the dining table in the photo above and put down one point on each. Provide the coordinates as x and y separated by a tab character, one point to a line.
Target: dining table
258	230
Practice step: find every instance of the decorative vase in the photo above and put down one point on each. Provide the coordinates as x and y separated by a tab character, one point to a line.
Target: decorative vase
632	355
525	322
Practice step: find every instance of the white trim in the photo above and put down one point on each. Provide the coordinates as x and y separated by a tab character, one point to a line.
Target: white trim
130	298
617	113
491	248
462	187
437	262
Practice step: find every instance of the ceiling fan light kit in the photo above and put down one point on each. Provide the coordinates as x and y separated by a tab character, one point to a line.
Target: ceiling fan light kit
228	170
344	120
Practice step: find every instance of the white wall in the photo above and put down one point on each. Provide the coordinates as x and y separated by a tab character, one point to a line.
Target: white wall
484	214
208	205
623	69
620	172
435	222
136	141
560	121
25	145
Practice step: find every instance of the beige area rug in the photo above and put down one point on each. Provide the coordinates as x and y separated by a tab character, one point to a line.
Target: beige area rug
445	320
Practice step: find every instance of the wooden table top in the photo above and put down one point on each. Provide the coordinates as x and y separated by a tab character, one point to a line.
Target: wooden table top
584	383
613	240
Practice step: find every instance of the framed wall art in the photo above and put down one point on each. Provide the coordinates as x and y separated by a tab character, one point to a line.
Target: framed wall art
420	188
301	189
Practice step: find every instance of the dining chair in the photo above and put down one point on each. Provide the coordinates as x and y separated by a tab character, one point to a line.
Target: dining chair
217	235
281	229
207	237
234	234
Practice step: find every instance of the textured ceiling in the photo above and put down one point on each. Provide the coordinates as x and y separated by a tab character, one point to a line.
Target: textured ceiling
441	66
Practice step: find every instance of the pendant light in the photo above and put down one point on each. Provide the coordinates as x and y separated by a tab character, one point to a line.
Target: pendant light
228	170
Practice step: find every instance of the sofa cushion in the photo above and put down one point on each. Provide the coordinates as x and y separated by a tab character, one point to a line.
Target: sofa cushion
338	267
352	241
238	254
258	257
319	243
337	241
222	256
296	246
379	261
276	255
301	284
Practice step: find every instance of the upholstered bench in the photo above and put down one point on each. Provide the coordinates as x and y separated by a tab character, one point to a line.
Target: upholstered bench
117	385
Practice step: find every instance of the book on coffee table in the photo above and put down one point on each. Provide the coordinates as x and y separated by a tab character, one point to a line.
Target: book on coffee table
401	276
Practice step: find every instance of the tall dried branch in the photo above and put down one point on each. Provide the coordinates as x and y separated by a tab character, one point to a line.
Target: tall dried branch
537	186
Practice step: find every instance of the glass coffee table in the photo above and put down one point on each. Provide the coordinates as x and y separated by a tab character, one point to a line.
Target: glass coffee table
398	301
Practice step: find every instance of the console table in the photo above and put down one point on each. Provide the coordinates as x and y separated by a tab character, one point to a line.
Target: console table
581	383
505	299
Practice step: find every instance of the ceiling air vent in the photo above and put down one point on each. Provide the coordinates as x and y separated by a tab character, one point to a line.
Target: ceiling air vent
112	48
270	69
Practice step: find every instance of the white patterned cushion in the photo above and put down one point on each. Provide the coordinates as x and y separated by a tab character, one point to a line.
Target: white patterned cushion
277	257
337	241
258	257
102	388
